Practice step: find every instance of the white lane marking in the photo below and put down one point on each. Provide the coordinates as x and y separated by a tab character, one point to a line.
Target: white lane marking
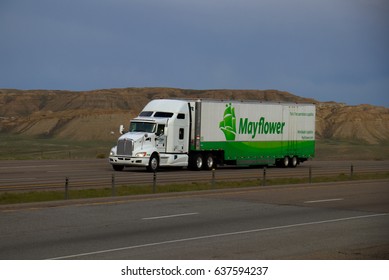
323	200
219	235
170	216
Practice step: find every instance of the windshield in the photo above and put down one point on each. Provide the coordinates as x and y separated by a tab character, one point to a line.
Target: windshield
142	127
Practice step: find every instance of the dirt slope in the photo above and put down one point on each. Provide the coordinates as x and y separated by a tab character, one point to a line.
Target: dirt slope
96	114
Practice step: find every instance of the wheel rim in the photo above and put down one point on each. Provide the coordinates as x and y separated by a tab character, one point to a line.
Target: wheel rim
286	161
210	162
154	163
199	162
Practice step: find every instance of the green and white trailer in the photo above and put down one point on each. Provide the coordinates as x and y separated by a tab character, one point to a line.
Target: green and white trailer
201	134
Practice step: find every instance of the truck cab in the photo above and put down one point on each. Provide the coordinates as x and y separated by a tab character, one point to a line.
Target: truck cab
159	136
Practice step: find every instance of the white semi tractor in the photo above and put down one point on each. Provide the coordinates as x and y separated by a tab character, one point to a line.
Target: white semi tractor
201	134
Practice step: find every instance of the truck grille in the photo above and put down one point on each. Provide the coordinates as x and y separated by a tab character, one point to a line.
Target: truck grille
125	147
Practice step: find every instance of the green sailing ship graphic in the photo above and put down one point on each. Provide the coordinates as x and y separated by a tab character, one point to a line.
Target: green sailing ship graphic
228	124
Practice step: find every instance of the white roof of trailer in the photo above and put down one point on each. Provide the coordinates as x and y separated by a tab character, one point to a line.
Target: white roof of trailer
181	105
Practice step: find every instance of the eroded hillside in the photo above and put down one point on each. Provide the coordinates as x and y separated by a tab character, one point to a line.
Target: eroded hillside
97	114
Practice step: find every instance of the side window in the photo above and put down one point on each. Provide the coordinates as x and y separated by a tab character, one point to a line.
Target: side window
181	134
181	116
146	114
160	129
163	115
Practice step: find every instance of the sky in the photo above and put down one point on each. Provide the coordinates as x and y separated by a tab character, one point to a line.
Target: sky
330	50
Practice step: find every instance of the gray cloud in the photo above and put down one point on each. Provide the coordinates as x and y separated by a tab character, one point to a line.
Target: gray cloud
330	50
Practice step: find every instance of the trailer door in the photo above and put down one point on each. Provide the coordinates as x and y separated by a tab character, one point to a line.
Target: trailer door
292	131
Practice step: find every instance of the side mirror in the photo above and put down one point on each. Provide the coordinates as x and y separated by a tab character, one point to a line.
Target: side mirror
121	129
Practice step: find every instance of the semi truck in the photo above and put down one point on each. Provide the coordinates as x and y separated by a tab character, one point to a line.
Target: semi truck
202	134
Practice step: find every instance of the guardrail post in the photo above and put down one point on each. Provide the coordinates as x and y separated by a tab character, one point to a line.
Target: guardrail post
351	171
154	181
264	176
113	185
213	178
66	188
310	174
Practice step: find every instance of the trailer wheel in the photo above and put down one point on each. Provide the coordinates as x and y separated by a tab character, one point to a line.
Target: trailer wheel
285	161
153	163
117	167
209	162
293	163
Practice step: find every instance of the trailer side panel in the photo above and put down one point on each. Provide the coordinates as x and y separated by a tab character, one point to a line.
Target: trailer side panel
251	132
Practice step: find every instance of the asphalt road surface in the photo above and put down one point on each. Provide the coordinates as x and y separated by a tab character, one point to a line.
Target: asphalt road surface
348	220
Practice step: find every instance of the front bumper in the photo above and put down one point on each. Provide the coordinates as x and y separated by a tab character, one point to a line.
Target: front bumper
129	161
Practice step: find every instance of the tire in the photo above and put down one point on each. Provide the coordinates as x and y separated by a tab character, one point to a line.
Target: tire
153	163
293	162
285	162
197	162
209	162
117	167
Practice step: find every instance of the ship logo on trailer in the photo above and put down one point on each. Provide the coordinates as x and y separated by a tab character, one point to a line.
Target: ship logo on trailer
252	128
228	124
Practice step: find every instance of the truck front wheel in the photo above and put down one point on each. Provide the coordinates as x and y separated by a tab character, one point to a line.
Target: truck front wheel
153	163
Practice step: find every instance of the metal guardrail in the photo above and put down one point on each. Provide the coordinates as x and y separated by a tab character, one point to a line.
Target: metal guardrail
118	179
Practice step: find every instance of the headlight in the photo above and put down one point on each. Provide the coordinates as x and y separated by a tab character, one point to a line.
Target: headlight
113	152
141	154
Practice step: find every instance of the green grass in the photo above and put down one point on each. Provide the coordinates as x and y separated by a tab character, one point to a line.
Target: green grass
21	147
348	150
40	196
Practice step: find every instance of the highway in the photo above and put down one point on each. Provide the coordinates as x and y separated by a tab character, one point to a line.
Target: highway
348	220
51	174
